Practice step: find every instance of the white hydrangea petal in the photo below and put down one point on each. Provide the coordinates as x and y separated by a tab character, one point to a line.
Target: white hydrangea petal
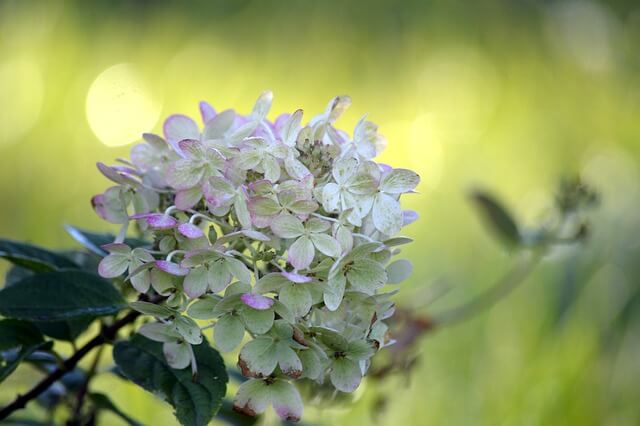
387	214
331	197
301	253
290	128
228	333
398	181
295	168
344	169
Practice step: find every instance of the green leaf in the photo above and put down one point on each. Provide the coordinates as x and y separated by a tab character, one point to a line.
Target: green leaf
195	400
103	402
61	295
497	218
64	330
93	241
21	336
32	257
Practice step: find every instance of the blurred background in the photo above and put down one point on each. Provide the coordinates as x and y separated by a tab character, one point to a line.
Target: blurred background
509	95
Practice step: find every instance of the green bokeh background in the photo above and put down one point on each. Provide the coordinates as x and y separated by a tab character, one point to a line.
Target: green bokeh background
509	95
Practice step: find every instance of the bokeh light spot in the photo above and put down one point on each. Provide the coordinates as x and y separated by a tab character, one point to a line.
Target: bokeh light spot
121	106
21	94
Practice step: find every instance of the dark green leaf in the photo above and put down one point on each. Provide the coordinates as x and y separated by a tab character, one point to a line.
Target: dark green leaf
18	340
61	295
93	241
497	218
103	402
15	274
195	401
32	257
68	330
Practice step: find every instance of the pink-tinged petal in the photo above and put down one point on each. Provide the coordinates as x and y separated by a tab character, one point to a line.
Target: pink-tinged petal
385	168
207	112
280	121
119	175
157	220
97	202
192	148
171	268
409	216
296	278
301	253
187	198
257	301
178	127
190	230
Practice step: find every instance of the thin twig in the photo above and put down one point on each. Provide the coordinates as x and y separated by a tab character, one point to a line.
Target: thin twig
106	335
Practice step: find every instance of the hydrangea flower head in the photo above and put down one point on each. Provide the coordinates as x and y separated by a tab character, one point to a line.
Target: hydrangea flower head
279	233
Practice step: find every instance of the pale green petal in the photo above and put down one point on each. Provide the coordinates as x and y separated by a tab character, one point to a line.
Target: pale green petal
238	269
203	308
259	357
228	333
297	298
158	332
367	276
253	397
196	283
288	361
326	244
345	375
113	265
301	253
333	298
286	401
218	276
398	181
178	355
257	321
399	271
287	226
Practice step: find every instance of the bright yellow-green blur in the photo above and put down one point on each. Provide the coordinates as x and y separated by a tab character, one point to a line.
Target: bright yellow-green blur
507	95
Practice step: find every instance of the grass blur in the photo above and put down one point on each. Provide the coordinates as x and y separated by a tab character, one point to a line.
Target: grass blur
510	95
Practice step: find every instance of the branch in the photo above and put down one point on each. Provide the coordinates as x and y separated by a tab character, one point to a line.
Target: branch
505	285
106	335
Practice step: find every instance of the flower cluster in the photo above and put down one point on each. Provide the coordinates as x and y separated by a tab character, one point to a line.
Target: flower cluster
274	230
